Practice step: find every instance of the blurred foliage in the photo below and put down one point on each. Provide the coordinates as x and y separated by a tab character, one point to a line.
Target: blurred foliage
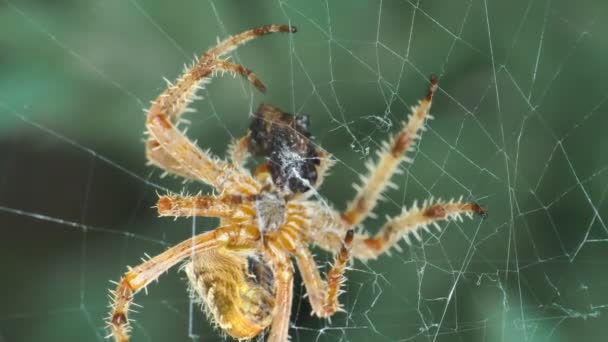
520	121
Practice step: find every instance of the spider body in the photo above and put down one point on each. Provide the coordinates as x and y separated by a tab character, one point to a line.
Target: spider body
242	270
270	211
237	290
237	287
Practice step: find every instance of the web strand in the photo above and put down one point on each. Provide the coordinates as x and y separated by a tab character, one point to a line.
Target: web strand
518	127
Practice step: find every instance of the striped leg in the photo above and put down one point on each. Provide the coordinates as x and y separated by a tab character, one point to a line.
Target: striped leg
323	294
390	156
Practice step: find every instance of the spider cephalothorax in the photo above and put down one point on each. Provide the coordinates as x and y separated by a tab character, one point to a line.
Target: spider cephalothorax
270	208
242	271
286	141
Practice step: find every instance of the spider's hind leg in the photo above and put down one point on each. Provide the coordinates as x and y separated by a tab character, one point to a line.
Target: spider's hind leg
323	294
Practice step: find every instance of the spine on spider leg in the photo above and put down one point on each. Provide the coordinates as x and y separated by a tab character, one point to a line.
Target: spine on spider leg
326	163
175	99
389	158
118	321
410	222
335	277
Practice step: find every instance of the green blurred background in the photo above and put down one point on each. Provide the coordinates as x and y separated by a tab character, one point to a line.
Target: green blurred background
520	127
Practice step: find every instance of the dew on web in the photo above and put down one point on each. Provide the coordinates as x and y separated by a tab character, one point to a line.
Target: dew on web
518	127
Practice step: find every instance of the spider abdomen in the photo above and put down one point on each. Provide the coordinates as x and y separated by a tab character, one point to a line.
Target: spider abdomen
237	290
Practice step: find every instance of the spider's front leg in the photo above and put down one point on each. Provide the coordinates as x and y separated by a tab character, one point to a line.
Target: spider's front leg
169	149
140	276
238	151
234	207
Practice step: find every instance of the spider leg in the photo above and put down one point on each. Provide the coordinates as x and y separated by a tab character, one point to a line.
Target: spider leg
198	163
233	42
279	331
226	206
157	156
323	295
390	156
169	149
326	162
222	65
140	276
238	151
409	222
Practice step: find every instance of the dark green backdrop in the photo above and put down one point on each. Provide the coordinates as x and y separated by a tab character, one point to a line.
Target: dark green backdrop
520	127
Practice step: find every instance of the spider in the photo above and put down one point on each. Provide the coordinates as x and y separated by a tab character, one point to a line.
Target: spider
242	271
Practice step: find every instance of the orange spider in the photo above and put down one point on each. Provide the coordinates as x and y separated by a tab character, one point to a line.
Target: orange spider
242	270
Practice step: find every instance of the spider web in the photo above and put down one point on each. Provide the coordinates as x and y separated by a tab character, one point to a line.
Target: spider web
519	128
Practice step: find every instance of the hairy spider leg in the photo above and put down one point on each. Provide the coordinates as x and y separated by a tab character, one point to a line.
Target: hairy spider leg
233	207
409	223
326	162
169	149
239	152
140	276
323	294
279	330
390	156
364	247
